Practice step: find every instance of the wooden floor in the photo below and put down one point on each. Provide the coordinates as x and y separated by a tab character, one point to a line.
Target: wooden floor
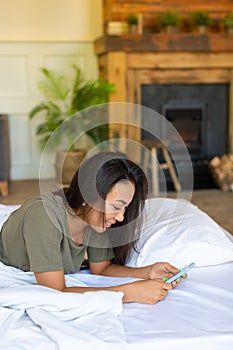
216	203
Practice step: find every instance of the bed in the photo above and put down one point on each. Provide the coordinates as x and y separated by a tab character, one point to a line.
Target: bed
196	314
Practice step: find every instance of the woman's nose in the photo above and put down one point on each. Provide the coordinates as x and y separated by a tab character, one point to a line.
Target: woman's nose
120	215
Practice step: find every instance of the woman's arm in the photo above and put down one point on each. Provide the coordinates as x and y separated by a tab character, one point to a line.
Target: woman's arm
145	291
157	270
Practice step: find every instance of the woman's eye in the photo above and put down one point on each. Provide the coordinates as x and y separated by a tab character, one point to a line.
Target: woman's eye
116	208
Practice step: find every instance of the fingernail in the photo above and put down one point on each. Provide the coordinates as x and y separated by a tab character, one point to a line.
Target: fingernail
184	275
178	280
165	278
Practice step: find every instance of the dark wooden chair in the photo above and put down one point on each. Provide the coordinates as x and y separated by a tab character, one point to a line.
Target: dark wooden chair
4	155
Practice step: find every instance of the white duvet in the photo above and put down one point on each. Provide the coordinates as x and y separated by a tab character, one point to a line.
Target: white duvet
36	317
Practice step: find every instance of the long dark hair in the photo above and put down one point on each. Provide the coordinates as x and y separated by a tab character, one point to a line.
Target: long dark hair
96	177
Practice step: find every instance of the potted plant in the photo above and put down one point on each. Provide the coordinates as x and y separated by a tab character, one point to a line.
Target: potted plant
201	20
228	22
63	98
132	20
169	20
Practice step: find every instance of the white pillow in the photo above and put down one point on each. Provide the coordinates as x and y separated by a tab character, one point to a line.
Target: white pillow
5	211
178	232
175	231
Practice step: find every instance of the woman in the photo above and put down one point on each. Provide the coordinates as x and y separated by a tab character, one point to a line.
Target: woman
98	214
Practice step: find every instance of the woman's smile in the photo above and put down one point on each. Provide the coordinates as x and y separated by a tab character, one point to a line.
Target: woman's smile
117	200
108	224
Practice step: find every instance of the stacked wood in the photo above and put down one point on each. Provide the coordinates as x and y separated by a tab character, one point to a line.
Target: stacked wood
222	171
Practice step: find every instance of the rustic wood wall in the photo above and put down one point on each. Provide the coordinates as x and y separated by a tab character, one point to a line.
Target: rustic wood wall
115	10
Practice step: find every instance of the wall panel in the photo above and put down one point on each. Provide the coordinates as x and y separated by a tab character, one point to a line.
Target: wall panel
12	69
19	72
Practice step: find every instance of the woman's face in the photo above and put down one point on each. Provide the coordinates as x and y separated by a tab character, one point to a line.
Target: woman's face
116	203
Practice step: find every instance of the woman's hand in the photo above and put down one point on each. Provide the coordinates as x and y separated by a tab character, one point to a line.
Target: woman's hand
145	291
163	270
160	270
157	270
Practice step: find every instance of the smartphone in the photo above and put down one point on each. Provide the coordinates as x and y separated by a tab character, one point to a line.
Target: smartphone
181	272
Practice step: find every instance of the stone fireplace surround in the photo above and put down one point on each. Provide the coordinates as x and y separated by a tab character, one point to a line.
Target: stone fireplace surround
135	61
195	110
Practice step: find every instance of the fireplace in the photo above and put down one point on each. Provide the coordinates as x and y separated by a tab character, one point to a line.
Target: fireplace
199	114
189	121
163	64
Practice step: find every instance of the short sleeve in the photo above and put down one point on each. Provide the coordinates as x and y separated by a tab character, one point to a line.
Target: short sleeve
42	240
99	254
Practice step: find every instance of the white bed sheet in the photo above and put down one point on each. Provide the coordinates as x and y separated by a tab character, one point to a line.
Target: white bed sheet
198	314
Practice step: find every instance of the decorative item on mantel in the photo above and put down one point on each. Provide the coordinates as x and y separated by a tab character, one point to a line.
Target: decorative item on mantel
135	23
168	20
117	28
132	20
227	22
201	20
222	171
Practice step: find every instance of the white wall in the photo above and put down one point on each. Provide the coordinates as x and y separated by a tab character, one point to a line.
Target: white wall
51	33
50	20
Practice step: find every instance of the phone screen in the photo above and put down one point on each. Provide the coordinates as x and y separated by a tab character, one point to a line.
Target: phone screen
181	272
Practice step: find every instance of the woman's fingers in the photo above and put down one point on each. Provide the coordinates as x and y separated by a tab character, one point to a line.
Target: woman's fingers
148	291
178	280
163	295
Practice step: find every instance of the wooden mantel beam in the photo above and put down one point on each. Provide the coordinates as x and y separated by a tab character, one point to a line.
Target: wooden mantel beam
162	42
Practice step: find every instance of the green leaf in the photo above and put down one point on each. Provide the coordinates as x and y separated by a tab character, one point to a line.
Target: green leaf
54	86
92	93
202	18
168	18
78	79
37	109
63	99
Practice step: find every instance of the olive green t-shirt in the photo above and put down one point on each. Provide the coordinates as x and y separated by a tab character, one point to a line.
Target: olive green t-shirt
36	238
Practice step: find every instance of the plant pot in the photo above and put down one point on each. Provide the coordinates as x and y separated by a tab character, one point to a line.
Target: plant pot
171	29
202	29
229	30
66	165
133	29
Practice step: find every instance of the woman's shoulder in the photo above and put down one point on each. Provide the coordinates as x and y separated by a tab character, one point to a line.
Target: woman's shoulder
43	204
46	200
43	207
